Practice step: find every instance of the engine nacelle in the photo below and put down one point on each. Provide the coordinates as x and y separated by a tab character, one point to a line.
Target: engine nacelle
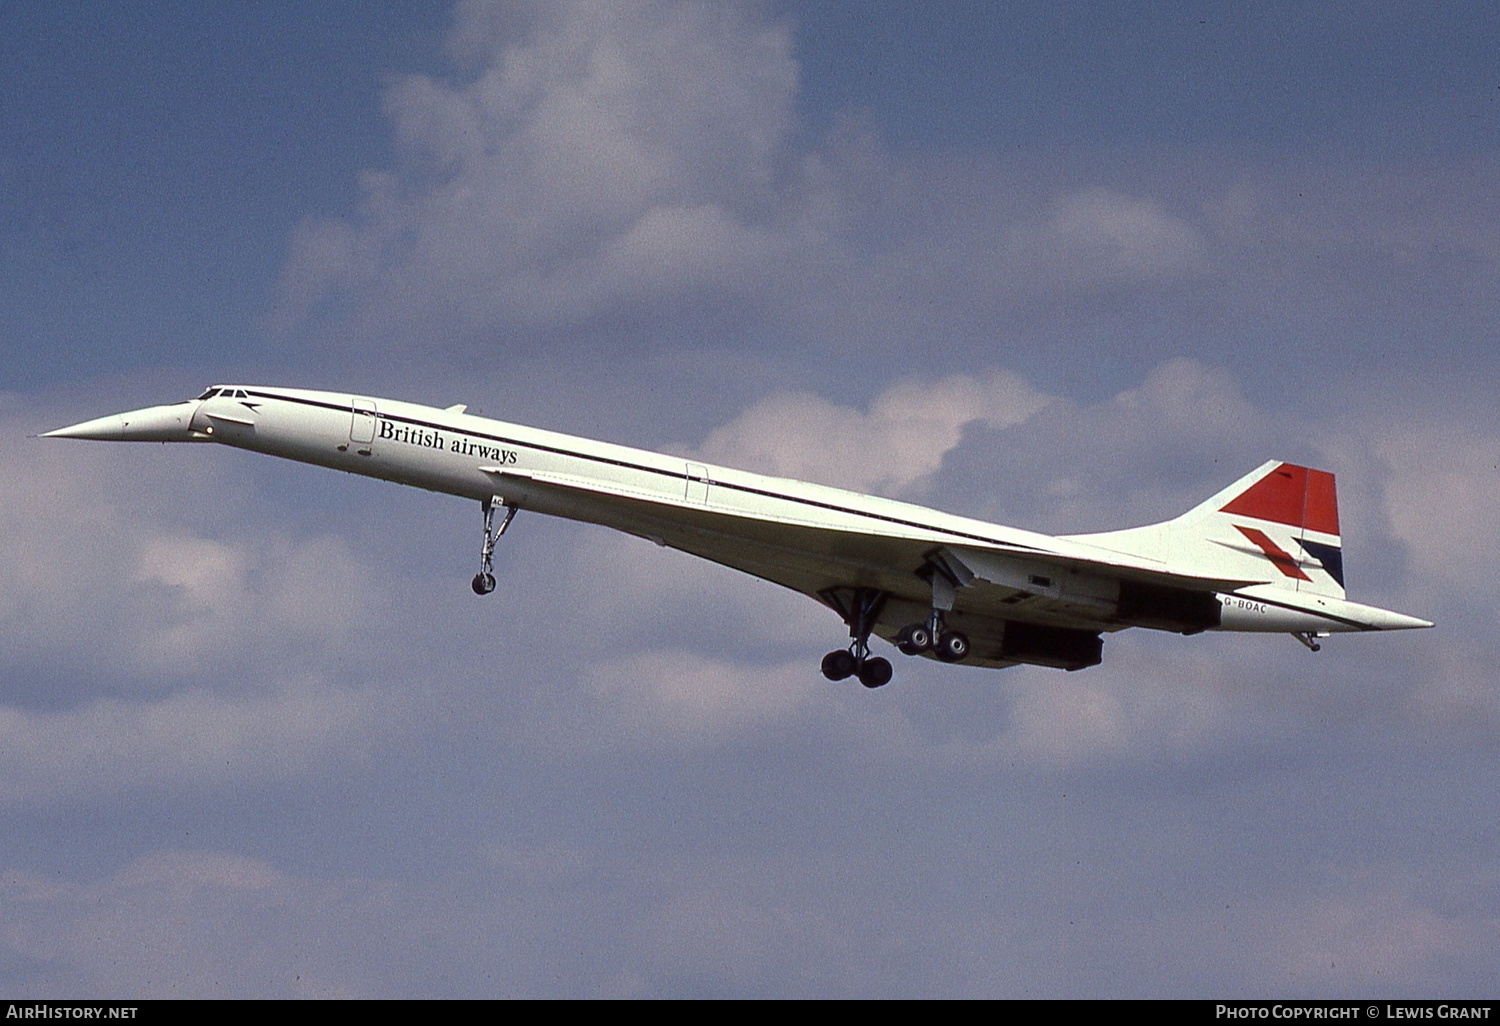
1059	647
1168	609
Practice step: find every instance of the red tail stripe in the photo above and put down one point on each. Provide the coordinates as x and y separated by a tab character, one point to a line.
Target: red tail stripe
1322	513
1291	495
1275	553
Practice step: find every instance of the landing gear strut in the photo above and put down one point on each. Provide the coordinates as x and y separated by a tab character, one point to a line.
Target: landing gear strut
860	608
484	581
933	636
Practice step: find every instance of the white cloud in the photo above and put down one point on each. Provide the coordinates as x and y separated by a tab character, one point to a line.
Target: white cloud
157	636
898	442
200	631
674	697
603	153
190	737
632	597
153	555
634	172
1147	452
637	651
1312	930
1186	398
1172	696
632	593
1442	498
1096	235
195	924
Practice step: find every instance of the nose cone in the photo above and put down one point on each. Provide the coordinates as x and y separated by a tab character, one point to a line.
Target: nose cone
100	429
153	424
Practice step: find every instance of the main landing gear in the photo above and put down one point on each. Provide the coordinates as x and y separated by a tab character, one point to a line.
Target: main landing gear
860	608
946	577
484	581
872	671
949	646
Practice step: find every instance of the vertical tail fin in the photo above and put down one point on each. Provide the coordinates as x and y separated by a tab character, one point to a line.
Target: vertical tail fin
1301	505
1279	523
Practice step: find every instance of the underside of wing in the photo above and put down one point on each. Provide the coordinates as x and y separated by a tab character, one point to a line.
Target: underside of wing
1031	606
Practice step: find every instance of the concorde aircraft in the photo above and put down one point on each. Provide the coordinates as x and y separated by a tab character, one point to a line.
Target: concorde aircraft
1262	555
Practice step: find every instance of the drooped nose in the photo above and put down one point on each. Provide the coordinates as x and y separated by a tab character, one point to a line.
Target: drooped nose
152	424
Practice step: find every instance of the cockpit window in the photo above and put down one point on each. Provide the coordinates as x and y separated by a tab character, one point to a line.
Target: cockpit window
210	393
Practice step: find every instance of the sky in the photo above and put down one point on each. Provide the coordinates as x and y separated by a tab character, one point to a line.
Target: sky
1068	267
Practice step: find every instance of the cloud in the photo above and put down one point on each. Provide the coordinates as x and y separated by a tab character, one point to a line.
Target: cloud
634	594
635	175
901	440
677	653
1144	454
220	645
156	563
1442	500
622	773
614	653
156	634
1355	928
1095	235
601	155
633	169
191	738
1356	942
1332	928
195	924
682	697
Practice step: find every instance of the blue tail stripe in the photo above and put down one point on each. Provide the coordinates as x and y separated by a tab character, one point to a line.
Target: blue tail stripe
1331	556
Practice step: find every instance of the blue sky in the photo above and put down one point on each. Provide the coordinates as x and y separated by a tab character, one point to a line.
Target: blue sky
1069	267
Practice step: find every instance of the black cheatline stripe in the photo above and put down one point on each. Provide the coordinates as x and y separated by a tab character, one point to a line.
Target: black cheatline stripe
741	488
641	467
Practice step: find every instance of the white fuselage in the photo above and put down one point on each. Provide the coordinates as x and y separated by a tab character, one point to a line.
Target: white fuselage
805	536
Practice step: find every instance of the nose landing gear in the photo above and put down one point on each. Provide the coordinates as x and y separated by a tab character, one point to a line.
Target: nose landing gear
484	581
